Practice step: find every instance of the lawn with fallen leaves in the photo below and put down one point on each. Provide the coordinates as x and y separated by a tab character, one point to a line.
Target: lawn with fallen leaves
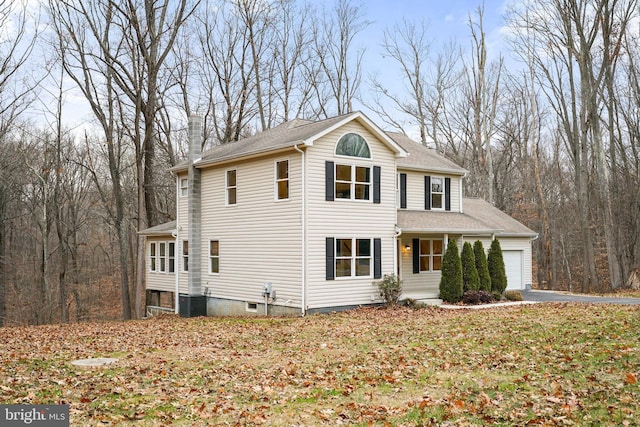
543	364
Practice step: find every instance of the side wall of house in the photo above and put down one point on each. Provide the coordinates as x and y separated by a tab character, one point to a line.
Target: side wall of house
260	238
183	235
524	245
347	219
416	189
159	280
425	284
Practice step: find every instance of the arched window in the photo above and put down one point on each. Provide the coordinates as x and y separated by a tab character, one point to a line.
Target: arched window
353	145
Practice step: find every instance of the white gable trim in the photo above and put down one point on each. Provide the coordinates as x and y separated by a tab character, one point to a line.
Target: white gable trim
368	124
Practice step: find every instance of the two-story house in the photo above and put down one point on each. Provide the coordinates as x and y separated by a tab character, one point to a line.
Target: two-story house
305	216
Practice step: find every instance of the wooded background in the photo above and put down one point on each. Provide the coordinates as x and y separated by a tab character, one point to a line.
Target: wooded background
549	128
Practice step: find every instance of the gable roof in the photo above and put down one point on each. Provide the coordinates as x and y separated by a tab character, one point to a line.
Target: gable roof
165	229
285	136
423	158
479	217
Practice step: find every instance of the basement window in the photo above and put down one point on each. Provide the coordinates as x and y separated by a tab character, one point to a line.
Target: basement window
252	307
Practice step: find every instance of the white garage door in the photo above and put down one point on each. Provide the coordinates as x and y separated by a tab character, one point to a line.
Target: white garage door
513	268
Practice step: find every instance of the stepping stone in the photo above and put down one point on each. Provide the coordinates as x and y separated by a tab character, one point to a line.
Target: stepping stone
96	361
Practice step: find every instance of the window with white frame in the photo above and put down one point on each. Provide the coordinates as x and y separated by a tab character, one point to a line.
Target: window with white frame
162	257
353	257
232	186
282	180
353	145
153	257
431	251
172	257
184	187
353	182
437	192
214	256
185	255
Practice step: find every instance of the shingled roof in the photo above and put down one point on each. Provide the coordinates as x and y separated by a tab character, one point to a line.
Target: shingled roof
479	217
287	135
165	229
423	158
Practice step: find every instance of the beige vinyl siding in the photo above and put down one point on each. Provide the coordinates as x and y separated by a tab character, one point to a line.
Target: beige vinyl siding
158	281
259	237
520	244
510	244
415	189
182	225
347	219
423	285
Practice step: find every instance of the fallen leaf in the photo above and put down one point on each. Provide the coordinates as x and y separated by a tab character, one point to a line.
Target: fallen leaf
631	378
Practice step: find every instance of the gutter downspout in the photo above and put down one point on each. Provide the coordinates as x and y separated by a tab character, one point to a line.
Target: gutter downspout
303	219
396	266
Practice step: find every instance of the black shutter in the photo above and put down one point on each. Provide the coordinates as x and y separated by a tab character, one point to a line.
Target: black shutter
416	256
447	194
376	184
377	258
329	171
427	193
330	259
403	190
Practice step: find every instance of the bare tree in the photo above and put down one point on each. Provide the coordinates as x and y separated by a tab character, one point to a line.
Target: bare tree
225	75
83	35
577	46
16	94
341	67
482	90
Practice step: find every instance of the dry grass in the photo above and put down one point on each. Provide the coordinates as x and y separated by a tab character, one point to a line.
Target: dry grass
548	364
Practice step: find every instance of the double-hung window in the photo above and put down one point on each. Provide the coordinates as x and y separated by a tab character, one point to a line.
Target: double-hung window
431	251
162	257
437	192
282	180
353	182
232	186
214	256
153	257
185	255
172	257
184	187
353	257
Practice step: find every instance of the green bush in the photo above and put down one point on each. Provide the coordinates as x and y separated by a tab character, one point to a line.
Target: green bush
390	288
496	269
470	279
451	280
513	295
481	266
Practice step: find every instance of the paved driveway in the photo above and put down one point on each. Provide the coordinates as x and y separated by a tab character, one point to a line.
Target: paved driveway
551	296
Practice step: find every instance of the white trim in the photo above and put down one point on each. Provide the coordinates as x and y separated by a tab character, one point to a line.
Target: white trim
276	180
443	193
354	258
303	220
369	125
431	254
210	257
343	156
183	190
159	258
182	256
352	182
227	187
